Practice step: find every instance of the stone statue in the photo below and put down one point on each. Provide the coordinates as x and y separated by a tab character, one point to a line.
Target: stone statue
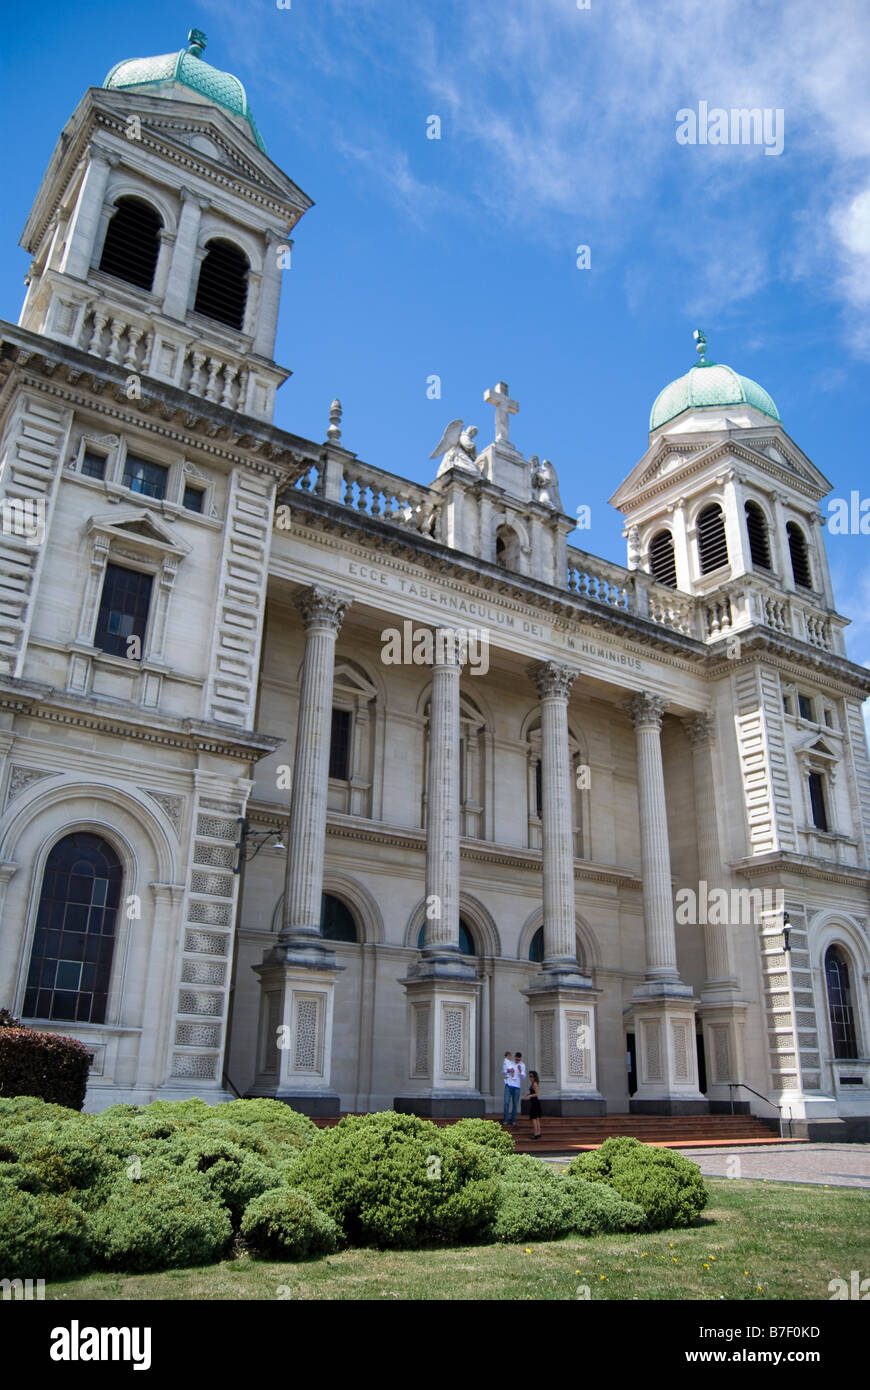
545	487
458	448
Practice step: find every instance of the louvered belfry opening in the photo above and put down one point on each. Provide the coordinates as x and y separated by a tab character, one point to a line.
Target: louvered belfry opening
759	544
223	284
712	545
800	560
132	243
662	564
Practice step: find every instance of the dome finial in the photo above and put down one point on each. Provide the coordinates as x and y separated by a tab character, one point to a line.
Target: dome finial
701	345
197	41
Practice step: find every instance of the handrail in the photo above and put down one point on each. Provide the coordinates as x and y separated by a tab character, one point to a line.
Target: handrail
766	1099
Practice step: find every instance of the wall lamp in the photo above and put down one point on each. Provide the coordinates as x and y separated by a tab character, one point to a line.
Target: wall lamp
250	842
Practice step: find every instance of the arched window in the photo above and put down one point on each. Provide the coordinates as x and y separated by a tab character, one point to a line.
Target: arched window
759	544
536	947
507	548
71	959
336	920
840	1003
712	545
800	559
132	243
222	290
466	940
661	559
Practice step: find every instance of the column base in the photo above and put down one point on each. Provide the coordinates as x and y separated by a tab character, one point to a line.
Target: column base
441	1107
667	1105
315	1106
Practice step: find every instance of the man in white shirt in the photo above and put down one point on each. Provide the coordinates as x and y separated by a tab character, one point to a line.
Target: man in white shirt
511	1086
513	1075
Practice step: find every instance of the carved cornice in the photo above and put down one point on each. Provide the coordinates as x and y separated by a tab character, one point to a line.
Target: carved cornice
781	862
60	709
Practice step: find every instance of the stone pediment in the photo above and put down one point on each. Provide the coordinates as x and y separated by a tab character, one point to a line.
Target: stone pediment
137	527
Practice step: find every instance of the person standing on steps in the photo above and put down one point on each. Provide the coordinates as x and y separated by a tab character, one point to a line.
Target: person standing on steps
534	1104
511	1089
521	1072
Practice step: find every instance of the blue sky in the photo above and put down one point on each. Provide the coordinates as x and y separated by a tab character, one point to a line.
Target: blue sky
457	256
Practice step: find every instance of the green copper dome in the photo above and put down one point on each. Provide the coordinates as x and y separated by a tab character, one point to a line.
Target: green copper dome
188	69
709	384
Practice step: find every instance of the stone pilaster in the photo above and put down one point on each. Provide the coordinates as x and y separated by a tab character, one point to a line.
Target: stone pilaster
663	1007
297	977
179	284
443	990
82	231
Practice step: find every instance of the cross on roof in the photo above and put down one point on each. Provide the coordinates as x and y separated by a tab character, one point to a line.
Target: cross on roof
499	396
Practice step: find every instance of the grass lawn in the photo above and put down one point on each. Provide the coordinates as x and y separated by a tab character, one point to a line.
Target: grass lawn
757	1241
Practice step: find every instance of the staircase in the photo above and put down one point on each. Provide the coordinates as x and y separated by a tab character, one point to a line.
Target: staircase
570	1136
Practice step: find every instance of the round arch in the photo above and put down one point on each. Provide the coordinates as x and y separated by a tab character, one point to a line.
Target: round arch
122	186
357	899
587	946
478	918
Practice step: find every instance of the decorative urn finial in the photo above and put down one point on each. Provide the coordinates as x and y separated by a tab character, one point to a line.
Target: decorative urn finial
334	431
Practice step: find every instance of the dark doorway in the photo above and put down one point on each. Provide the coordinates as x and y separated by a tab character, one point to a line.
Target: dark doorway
631	1063
702	1064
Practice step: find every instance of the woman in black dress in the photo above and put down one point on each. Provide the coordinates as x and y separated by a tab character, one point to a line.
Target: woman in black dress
534	1104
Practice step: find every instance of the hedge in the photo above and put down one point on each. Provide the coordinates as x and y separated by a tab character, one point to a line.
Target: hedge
668	1186
46	1065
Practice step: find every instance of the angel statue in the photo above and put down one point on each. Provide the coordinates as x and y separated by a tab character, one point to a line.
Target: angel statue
458	448
545	488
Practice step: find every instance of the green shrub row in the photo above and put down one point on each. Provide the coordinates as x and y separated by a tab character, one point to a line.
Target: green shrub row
172	1184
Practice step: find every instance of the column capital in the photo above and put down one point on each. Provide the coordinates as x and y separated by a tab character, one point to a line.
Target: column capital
700	729
553	681
322	608
646	710
102	155
187	195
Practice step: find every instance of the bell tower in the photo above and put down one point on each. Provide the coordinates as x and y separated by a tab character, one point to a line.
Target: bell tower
725	505
161	230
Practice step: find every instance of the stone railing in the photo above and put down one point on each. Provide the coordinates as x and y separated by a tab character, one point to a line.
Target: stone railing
590	577
127	340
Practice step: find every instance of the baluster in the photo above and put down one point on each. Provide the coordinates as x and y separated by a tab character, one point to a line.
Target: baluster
114	352
133	337
214	366
227	394
101	318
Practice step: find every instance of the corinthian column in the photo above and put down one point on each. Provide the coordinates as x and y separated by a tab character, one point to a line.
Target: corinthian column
442	805
658	907
323	612
663	1008
297	976
554	684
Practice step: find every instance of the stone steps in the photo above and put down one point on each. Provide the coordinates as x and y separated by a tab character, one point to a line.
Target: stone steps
566	1135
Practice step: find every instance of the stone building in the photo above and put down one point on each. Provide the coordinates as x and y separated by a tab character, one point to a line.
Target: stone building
323	783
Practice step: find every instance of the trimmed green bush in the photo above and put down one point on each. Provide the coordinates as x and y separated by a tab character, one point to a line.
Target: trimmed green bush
397	1181
43	1064
42	1236
160	1222
597	1210
668	1187
234	1176
273	1122
284	1223
485	1132
534	1204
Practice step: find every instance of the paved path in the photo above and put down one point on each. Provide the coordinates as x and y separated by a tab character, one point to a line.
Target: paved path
838	1165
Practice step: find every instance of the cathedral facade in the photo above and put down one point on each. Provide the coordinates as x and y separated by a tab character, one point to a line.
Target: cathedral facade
326	784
